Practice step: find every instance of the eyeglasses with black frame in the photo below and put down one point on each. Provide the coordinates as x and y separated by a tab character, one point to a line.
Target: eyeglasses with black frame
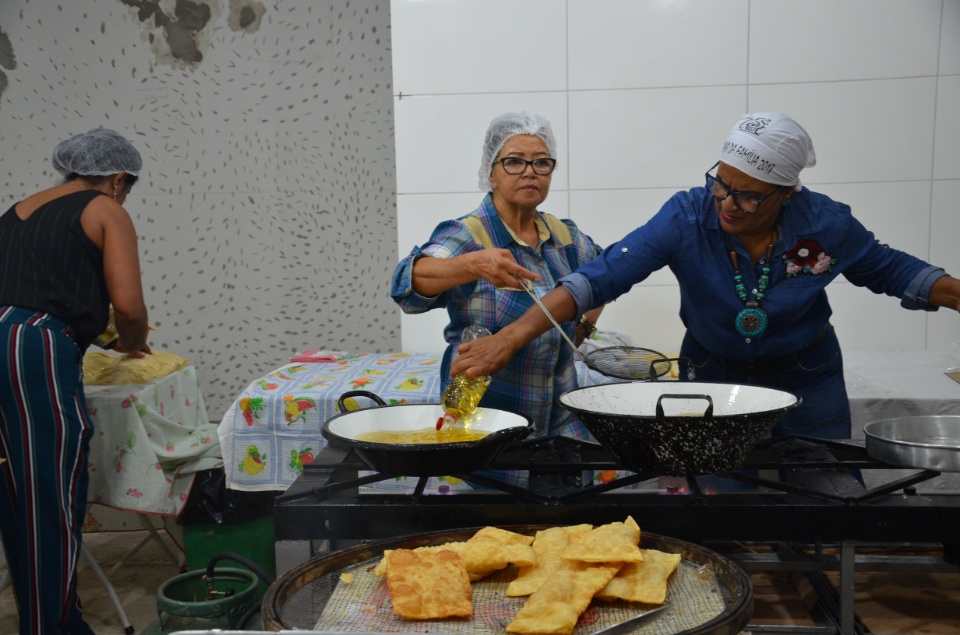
516	165
746	202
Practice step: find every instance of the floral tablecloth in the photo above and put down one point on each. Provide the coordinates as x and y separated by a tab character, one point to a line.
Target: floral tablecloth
273	427
148	442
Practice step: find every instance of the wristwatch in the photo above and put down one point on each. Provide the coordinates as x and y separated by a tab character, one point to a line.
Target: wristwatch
587	324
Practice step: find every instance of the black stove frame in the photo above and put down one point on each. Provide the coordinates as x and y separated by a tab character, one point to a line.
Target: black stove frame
814	497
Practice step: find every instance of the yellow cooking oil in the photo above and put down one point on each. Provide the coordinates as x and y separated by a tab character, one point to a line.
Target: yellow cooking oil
462	395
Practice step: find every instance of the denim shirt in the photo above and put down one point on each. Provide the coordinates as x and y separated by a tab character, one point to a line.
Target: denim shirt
542	370
819	240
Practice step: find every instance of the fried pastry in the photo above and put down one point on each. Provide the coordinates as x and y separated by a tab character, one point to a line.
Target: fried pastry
547	547
613	542
557	604
428	585
643	581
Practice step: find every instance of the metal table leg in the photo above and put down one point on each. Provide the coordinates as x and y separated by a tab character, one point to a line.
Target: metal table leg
95	567
847	611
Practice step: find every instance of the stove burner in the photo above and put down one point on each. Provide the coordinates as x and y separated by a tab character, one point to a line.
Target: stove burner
556	467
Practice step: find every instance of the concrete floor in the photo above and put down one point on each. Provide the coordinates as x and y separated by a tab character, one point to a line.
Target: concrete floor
136	583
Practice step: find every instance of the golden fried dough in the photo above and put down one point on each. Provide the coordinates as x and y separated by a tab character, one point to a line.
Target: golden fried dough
555	607
503	536
547	546
484	553
613	542
428	585
643	581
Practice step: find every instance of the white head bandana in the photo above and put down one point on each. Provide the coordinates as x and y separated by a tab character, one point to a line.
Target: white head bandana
771	147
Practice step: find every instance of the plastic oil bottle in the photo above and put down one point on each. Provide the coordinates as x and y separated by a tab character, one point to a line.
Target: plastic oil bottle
462	395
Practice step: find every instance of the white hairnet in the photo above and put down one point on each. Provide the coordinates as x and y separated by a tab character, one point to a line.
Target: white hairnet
99	152
769	146
510	125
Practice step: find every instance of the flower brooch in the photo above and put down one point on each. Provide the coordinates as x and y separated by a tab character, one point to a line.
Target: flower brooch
807	257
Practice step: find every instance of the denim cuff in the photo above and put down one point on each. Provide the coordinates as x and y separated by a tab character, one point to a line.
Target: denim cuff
917	294
579	287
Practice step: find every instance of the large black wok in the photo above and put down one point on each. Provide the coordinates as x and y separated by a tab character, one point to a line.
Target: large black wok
678	428
434	459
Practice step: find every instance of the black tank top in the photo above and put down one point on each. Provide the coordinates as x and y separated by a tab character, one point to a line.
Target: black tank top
48	263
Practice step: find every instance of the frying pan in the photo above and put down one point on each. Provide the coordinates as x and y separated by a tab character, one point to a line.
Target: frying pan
419	459
678	428
927	442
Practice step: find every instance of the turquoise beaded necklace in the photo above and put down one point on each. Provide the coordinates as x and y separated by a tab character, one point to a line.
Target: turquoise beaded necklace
752	321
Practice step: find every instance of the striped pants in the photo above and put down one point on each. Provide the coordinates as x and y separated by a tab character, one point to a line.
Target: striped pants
44	437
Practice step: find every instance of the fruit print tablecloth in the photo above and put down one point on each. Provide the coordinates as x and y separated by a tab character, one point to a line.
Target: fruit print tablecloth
273	427
148	442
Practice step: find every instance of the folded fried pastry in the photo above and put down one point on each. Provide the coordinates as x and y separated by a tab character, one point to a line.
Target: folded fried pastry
428	585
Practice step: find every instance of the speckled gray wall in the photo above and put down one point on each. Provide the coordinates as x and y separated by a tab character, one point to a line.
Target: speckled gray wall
267	208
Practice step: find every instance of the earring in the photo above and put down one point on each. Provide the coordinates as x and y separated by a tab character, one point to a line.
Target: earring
115	192
786	203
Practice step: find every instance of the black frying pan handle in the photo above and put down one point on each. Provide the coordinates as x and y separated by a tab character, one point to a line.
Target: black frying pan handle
358	393
508	435
708	413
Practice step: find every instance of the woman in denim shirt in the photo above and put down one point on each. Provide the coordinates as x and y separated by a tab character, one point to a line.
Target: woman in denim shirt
753	251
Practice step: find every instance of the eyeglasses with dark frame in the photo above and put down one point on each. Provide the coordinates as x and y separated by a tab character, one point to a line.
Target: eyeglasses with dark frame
516	165
746	202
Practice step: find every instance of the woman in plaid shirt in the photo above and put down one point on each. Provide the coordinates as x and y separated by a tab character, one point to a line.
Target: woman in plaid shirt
470	266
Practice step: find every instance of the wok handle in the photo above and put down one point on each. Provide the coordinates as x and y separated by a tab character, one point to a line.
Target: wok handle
358	393
708	413
508	435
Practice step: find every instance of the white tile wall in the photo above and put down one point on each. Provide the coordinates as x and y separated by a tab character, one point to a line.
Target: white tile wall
641	94
823	40
943	332
629	44
872	130
946	157
648	137
470	47
949	42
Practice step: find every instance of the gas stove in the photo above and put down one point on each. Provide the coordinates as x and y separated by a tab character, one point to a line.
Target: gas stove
795	493
789	489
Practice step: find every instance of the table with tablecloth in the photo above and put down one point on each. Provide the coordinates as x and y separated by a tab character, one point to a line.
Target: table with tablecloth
149	440
273	426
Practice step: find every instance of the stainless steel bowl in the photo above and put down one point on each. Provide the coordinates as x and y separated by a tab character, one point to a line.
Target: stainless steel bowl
929	442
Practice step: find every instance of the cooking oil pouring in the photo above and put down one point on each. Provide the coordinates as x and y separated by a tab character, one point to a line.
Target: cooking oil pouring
462	395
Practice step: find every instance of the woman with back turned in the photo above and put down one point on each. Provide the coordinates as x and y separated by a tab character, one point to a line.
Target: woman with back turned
66	254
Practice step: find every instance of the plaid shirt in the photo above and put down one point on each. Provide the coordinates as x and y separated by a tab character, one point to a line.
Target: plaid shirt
539	373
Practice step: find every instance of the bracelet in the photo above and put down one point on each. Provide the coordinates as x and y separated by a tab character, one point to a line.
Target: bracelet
587	324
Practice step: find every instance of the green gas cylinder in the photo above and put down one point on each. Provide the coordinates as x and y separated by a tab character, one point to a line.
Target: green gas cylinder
191	601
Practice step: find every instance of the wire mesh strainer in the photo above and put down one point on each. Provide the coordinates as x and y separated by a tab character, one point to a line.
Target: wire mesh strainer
620	362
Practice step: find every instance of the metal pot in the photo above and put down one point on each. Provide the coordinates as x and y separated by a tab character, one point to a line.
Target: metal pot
927	442
416	459
678	428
